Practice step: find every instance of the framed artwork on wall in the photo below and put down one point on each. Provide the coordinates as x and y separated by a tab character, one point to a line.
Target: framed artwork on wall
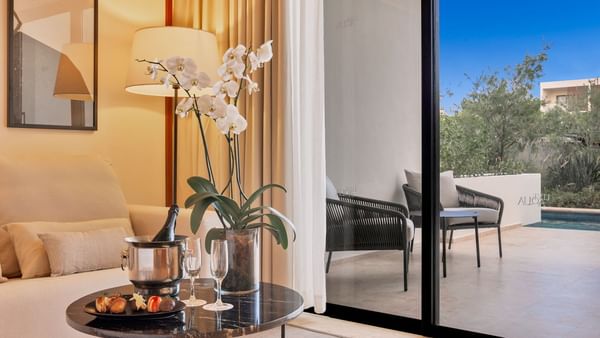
52	64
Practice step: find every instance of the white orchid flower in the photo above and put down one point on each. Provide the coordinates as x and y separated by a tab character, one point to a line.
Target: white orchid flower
229	88
214	107
236	54
251	85
180	65
264	53
153	69
254	63
198	80
232	121
184	106
166	80
231	69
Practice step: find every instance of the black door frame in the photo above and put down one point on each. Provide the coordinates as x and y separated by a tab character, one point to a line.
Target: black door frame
428	325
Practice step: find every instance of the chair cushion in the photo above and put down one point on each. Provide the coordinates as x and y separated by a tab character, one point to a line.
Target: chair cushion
411	229
36	307
331	191
59	189
448	192
29	248
486	215
72	252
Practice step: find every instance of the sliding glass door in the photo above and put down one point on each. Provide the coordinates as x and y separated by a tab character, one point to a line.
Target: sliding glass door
373	135
521	124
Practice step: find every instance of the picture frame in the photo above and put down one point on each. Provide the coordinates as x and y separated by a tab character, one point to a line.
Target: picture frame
52	64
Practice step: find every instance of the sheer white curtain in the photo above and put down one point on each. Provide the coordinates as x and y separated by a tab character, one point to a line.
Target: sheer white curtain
305	143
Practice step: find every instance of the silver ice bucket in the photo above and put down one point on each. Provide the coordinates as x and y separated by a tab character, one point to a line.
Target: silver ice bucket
155	268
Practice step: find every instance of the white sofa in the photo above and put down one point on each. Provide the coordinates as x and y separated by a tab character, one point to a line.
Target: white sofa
66	189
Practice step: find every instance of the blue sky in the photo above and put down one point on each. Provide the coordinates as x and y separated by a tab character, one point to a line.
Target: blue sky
485	36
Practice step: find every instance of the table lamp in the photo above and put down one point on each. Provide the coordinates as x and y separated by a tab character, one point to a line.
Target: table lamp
75	78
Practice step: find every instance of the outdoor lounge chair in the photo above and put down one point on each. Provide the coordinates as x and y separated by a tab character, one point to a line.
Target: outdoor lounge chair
490	210
358	223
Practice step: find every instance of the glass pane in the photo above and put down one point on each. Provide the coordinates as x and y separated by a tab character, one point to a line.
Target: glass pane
521	122
373	123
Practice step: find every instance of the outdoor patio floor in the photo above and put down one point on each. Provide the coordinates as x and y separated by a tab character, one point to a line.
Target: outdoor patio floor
546	285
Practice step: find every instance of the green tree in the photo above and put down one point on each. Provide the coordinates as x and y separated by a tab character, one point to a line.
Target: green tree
573	142
495	121
464	148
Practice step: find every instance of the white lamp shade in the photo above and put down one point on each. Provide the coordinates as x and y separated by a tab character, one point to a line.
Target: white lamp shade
162	43
75	74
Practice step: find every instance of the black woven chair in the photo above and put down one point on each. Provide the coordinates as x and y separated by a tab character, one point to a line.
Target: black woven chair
358	223
467	198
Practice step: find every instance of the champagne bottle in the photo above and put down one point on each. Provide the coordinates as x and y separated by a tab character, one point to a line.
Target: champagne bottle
167	233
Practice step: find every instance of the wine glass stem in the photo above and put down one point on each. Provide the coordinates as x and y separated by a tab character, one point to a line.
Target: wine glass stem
219	302
192	292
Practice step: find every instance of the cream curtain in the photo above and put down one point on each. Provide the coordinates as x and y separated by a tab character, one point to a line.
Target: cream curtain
249	22
305	145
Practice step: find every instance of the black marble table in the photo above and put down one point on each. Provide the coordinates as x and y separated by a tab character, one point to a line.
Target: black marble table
270	307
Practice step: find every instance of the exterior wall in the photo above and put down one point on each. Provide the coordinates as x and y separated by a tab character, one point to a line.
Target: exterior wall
550	90
130	127
522	195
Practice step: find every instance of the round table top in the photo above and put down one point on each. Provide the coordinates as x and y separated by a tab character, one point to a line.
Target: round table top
458	213
271	306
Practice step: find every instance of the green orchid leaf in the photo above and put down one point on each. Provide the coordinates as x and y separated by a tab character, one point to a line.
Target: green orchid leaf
278	226
229	206
285	220
201	184
198	212
212	234
259	192
246	213
274	233
268	227
251	218
197	197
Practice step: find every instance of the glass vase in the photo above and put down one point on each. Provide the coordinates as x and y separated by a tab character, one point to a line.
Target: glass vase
243	276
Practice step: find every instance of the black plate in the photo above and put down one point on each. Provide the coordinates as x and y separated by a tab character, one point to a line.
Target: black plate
131	314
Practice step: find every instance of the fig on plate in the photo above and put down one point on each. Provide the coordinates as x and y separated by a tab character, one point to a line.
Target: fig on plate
167	304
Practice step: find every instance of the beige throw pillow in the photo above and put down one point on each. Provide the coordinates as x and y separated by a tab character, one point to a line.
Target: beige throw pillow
71	252
8	257
32	257
448	193
2	279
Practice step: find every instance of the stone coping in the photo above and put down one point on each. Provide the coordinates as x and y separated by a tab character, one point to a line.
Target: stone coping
572	210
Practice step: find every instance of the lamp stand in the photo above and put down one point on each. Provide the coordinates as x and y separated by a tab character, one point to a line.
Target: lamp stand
174	149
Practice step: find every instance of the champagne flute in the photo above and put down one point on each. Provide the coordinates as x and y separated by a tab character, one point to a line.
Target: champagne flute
219	265
192	262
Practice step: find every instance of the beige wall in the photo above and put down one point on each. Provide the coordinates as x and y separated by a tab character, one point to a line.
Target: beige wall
130	127
372	94
522	195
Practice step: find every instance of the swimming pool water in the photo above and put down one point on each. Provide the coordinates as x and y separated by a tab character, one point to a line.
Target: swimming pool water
571	221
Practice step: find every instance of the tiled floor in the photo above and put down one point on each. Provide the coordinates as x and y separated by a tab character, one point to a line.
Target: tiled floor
315	326
546	285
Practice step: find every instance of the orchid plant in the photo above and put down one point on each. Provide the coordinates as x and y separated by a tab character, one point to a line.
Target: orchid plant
233	207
